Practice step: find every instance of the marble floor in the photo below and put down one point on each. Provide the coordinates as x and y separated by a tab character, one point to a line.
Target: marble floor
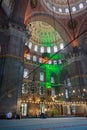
69	123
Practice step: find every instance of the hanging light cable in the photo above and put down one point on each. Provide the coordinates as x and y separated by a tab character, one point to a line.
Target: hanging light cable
71	19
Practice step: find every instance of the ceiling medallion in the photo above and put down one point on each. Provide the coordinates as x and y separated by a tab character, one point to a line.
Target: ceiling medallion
72	24
33	3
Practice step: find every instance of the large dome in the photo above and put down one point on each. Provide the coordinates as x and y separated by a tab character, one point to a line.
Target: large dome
64	2
61	6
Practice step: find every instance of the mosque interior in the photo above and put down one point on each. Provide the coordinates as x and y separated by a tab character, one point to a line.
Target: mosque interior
43	57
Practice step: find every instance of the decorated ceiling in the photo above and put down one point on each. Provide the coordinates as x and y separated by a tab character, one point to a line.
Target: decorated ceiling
61	6
44	34
64	2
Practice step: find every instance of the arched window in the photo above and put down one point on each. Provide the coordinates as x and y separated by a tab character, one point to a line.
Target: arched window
81	5
73	9
36	48
41	76
55	49
34	58
48	49
30	45
42	49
